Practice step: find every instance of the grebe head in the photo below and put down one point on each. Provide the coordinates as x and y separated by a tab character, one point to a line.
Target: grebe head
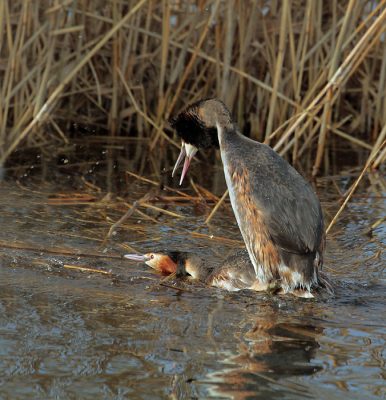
167	262
197	127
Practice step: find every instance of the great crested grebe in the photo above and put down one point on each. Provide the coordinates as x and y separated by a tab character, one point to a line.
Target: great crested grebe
233	274
278	213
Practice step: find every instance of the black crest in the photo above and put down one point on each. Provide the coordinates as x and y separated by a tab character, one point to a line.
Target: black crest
179	258
192	129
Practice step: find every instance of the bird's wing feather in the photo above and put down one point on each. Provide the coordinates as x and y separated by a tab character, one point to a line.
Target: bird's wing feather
236	273
289	207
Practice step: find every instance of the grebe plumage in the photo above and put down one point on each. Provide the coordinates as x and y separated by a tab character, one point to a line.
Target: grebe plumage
235	273
278	213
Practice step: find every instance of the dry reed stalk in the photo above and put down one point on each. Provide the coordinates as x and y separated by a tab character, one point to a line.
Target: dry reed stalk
162	211
186	196
353	188
216	207
374	226
228	48
113	117
382	156
278	67
165	46
267	61
132	208
40	116
197	191
149	120
348	66
54	250
211	237
86	269
188	68
327	107
211	196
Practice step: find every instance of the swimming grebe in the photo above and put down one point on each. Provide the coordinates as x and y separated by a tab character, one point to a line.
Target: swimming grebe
278	213
235	273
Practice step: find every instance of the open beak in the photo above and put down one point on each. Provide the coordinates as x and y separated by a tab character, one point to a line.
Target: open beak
137	257
188	151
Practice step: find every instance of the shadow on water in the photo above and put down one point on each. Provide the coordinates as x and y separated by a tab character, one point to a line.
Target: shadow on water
72	333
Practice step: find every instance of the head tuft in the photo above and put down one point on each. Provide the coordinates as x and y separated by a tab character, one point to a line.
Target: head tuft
193	128
179	258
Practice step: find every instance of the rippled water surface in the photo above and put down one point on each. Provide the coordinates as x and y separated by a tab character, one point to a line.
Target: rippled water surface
67	333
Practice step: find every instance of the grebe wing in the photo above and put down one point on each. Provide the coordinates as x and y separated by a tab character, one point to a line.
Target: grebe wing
235	273
289	207
267	190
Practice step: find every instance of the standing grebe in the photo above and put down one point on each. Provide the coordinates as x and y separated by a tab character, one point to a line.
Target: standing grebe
235	273
278	213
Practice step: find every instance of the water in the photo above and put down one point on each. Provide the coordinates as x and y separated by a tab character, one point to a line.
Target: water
67	333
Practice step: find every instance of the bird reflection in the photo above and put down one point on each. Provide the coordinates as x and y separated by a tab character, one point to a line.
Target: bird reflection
269	352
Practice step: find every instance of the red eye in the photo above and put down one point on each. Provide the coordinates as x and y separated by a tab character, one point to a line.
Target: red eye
152	257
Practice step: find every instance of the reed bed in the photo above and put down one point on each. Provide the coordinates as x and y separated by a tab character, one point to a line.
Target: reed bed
299	75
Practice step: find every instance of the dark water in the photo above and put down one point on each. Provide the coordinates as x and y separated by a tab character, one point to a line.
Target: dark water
72	334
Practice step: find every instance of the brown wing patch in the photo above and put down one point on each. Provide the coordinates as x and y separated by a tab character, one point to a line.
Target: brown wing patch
199	111
259	287
318	262
192	269
255	232
269	264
